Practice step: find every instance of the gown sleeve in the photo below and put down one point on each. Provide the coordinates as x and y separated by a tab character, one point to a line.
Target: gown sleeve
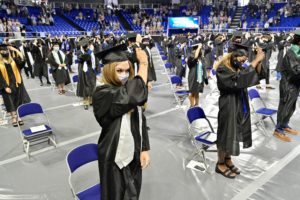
229	80
292	65
2	82
52	62
116	101
145	143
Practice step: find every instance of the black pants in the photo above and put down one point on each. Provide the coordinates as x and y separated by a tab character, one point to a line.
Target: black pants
28	72
289	94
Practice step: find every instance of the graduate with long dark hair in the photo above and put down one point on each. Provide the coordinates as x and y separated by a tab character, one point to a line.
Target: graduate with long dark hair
234	124
123	144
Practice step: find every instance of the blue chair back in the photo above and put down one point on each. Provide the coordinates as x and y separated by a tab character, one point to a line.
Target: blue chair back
168	65
176	80
82	155
195	113
75	78
253	94
29	109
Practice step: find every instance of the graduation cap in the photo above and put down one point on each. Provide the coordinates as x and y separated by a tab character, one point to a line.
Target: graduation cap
55	42
296	38
238	34
237	47
84	42
297	32
3	46
114	54
195	45
131	36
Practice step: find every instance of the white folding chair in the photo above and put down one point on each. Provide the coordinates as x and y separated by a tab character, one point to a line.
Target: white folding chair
201	138
84	179
35	130
180	94
260	109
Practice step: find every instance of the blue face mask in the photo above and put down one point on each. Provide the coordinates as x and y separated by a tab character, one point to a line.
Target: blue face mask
123	77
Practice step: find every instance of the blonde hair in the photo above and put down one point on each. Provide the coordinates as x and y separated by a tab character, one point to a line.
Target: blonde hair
110	76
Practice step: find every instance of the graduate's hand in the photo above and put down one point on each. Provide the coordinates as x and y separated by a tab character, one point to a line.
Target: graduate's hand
260	54
141	56
139	38
8	90
145	159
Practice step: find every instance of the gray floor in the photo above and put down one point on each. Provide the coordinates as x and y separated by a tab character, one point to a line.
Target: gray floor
270	167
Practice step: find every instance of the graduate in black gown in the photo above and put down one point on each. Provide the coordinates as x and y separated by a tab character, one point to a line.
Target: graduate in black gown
86	73
197	74
123	144
148	44
56	59
234	123
11	85
289	89
40	53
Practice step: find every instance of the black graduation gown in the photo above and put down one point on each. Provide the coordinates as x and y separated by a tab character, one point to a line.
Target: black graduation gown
40	66
60	75
194	85
234	123
87	80
18	95
219	45
151	69
208	58
280	46
180	70
68	50
110	103
289	87
266	61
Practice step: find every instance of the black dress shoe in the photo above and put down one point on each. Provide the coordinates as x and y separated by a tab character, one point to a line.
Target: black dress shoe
42	84
48	83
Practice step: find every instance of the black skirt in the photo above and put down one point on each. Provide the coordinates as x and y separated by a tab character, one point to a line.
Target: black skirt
61	76
17	97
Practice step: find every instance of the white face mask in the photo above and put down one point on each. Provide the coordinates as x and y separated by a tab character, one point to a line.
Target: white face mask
92	48
123	77
56	48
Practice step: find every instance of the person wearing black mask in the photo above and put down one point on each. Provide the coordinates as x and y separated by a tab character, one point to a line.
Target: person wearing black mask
234	125
289	89
11	85
197	74
266	43
25	50
86	74
147	45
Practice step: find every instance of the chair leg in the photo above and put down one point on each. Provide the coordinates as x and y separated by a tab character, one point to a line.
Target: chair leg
52	139
272	120
261	122
204	159
27	150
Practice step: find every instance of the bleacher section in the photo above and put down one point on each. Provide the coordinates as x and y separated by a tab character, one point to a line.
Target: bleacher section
88	24
256	19
60	27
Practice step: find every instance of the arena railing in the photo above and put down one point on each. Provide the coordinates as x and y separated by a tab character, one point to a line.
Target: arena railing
20	36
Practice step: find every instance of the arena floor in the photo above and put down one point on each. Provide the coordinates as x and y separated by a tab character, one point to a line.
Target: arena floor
270	169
